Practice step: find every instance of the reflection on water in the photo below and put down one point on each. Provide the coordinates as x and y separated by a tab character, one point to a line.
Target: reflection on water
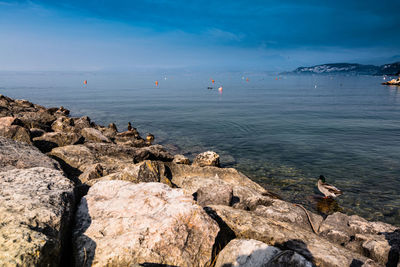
283	133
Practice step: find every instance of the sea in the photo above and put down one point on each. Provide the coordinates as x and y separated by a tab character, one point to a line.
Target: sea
282	131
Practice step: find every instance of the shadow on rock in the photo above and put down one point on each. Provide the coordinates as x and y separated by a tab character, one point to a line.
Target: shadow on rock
84	247
393	239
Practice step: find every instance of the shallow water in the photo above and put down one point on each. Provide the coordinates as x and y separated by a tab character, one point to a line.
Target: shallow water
282	133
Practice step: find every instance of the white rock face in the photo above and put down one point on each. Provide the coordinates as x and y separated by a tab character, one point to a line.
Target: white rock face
250	253
36	207
120	223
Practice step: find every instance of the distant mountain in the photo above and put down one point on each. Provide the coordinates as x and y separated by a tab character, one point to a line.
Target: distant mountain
349	68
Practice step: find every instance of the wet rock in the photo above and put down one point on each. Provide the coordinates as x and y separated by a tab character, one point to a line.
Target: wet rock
94	135
63	124
208	158
16	133
284	235
181	159
249	252
36	207
123	223
48	141
22	156
213	194
92	172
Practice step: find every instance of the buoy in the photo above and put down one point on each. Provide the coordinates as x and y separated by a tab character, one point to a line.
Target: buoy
220	89
156	83
85	82
212	81
247	79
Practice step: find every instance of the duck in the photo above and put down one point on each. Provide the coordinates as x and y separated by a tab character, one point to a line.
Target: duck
327	189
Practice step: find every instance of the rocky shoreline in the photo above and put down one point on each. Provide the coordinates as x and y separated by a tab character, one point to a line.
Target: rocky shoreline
74	193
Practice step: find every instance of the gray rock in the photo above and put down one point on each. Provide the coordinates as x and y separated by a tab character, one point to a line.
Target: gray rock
288	236
22	156
249	253
36	207
121	223
94	135
208	158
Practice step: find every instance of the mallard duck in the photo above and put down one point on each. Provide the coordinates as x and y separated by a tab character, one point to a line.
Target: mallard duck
327	189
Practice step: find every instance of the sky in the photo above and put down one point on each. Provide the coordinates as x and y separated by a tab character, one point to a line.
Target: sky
228	35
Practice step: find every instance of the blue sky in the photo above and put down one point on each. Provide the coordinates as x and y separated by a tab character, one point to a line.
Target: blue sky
216	35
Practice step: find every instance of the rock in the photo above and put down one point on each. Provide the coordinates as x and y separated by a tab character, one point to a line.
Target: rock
36	132
181	159
109	132
48	141
248	225
37	119
58	112
82	123
94	135
123	223
127	136
145	171
16	133
63	124
154	152
249	253
214	194
36	207
208	158
287	212
359	235
22	156
91	172
74	156
8	121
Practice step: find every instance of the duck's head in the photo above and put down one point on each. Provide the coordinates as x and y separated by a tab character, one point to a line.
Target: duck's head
322	178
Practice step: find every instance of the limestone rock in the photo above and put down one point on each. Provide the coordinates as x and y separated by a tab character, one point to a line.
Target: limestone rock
248	225
214	194
8	121
208	158
288	212
37	119
154	152
121	223
91	172
74	155
63	124
48	141
36	207
36	132
82	123
22	156
249	253
92	134
145	171
16	133
181	159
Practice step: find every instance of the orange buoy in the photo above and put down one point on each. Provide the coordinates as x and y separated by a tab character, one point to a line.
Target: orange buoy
156	83
85	82
212	81
247	79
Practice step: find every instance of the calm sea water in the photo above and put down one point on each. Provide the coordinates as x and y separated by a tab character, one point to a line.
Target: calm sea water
282	133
